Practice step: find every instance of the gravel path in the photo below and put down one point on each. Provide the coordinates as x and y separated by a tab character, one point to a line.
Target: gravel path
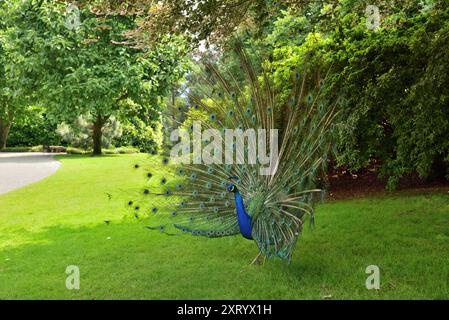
20	169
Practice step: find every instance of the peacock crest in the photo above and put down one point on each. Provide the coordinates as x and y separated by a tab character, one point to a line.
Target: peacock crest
265	196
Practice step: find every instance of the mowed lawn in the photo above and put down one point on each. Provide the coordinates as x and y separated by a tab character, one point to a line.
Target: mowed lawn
59	221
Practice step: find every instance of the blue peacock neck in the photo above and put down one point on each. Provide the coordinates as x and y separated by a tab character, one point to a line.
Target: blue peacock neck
244	220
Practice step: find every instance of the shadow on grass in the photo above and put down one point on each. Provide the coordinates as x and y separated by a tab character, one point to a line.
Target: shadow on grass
125	261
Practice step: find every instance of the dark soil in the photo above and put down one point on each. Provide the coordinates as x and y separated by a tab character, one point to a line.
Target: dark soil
346	185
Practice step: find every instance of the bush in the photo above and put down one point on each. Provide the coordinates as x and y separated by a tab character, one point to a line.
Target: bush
33	128
23	149
121	150
72	150
138	134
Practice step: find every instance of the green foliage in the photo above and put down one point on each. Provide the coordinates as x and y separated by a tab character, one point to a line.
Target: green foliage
23	149
32	127
120	150
139	135
391	83
393	90
80	151
90	70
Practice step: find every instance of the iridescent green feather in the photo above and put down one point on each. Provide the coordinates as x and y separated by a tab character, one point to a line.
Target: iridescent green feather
193	198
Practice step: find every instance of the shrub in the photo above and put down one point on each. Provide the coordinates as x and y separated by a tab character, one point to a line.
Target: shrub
33	128
23	149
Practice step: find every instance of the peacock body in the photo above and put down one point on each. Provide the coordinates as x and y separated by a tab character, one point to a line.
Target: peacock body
265	200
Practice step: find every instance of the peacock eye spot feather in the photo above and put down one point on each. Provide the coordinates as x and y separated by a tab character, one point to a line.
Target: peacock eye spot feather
163	181
154	210
174	214
130	203
253	119
309	99
136	166
213	117
165	161
136	208
146	191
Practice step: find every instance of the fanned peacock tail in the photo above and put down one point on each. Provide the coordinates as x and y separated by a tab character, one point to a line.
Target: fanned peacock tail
224	199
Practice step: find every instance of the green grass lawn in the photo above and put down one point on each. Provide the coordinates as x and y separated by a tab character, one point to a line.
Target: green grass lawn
59	222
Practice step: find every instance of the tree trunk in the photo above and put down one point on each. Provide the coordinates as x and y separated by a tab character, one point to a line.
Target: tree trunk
97	134
5	126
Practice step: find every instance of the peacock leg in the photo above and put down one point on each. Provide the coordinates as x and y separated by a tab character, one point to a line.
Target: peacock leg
260	259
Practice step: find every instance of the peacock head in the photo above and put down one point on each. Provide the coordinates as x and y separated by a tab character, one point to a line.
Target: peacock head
232	188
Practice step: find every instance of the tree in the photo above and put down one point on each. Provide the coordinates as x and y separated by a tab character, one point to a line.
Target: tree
88	69
16	86
209	20
390	82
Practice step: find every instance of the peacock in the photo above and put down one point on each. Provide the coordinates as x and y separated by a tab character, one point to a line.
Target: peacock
265	199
